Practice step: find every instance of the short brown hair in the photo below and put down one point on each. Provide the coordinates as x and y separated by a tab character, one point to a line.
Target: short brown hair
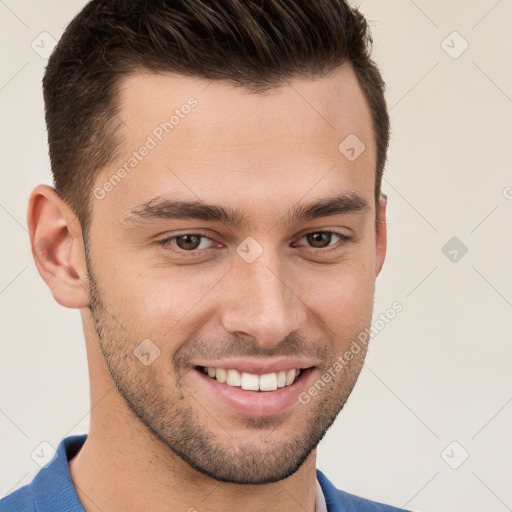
257	44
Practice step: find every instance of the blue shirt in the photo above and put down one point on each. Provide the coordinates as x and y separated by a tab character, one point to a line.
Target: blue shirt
52	489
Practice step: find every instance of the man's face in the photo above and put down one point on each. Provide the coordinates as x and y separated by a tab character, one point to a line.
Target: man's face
264	294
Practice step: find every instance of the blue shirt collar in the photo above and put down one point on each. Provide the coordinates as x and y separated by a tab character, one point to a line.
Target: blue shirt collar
53	489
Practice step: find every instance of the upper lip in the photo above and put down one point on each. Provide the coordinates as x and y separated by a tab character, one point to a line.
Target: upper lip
258	366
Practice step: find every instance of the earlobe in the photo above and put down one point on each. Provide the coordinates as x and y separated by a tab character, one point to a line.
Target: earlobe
381	234
57	247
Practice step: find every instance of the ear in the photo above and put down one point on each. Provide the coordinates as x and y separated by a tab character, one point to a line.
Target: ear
381	234
57	247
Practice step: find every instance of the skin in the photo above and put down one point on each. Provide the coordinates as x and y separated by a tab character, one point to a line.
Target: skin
158	439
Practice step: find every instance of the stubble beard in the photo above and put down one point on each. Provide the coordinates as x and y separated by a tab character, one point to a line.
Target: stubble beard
171	415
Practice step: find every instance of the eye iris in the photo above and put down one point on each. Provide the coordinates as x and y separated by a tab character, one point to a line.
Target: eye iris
193	240
319	237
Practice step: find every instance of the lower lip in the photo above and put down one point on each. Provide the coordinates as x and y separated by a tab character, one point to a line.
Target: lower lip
255	403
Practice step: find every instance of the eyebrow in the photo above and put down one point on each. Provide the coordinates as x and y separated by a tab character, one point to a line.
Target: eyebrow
159	208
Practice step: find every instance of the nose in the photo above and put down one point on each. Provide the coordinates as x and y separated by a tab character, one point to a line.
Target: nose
263	303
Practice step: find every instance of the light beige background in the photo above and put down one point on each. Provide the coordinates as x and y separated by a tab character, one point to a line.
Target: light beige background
438	373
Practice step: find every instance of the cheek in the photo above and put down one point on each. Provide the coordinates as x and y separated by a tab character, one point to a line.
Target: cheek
341	297
347	301
161	304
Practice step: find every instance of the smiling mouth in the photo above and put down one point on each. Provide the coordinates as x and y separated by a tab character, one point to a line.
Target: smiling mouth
251	381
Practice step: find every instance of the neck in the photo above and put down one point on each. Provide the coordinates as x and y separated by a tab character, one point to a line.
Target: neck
122	466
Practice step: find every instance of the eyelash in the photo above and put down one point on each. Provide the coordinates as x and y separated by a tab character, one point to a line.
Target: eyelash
167	242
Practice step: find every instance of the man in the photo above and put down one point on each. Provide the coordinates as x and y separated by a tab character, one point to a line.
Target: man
218	220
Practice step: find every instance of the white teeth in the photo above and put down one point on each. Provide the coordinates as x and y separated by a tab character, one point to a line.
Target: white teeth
251	381
233	378
290	376
221	375
268	382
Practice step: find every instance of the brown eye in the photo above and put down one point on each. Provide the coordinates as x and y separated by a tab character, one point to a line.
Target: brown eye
188	242
323	239
320	239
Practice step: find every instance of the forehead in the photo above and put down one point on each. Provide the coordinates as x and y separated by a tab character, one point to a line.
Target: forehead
212	141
